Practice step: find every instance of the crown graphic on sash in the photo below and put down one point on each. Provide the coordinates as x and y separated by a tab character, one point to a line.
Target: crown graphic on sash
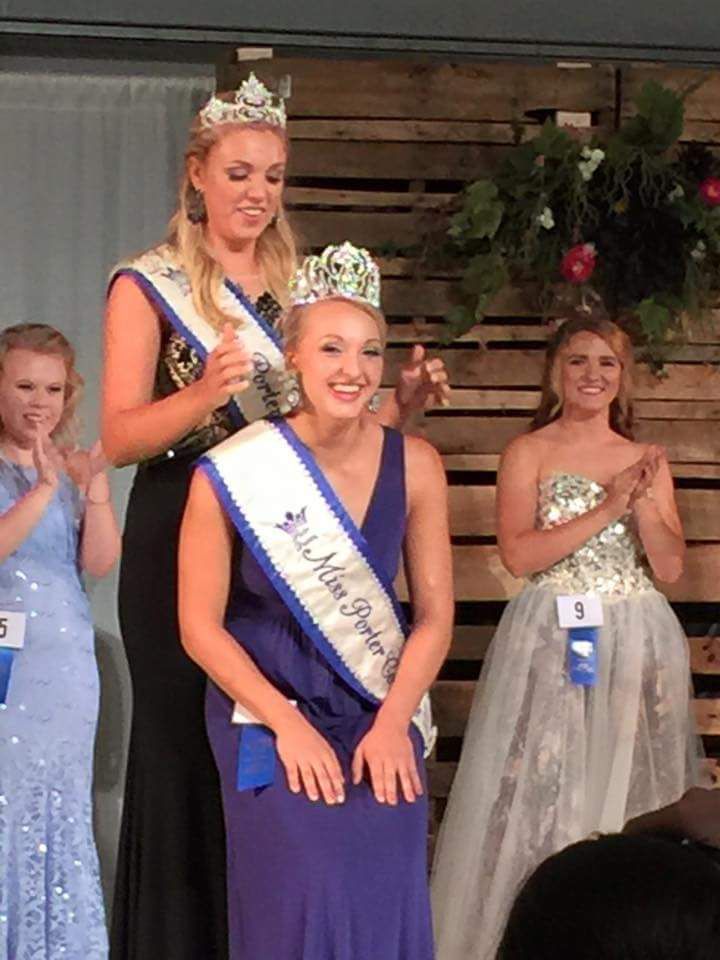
339	271
252	103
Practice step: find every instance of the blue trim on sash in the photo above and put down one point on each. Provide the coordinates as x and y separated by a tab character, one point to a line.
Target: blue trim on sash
344	518
185	332
308	626
6	661
244	301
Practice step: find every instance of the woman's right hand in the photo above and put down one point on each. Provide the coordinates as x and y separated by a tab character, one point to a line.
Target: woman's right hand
47	461
310	762
226	369
622	488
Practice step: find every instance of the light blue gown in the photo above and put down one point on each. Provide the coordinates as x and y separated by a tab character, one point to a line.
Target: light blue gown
50	898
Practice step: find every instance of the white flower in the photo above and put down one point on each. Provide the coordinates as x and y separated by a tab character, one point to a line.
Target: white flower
590	163
677	193
698	253
546	219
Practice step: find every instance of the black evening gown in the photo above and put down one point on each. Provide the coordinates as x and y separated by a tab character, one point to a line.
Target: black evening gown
170	890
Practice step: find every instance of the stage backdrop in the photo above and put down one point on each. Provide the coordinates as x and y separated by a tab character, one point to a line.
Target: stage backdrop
89	167
377	148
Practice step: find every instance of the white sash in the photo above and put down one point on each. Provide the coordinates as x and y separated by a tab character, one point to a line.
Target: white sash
316	558
166	284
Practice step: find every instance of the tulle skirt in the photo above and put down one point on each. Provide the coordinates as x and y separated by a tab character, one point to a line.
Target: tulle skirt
546	762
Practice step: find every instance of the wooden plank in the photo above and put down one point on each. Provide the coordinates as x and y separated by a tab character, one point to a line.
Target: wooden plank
485	401
472	512
430	90
522	368
707	716
688	440
701	104
394	161
488	463
367	229
442	773
470	642
423	331
705	655
408	130
296	196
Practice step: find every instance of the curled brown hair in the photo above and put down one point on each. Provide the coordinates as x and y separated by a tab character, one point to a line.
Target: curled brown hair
276	247
551	400
41	338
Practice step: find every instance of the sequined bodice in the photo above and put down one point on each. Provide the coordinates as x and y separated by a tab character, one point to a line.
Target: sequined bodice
610	562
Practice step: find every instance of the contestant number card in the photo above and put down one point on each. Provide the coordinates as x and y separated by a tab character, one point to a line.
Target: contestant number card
580	610
12	629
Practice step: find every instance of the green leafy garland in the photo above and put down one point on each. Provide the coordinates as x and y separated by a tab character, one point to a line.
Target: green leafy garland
632	221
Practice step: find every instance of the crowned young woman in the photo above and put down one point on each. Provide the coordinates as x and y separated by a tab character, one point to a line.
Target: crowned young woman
582	717
178	380
317	709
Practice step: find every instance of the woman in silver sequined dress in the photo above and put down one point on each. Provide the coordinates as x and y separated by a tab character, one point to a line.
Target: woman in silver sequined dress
582	509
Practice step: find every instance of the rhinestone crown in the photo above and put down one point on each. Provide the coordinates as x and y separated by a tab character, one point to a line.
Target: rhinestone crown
253	103
339	271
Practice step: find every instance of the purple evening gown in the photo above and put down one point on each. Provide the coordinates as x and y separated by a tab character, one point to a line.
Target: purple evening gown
307	881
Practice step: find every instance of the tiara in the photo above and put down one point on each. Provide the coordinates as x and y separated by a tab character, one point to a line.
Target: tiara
339	271
253	103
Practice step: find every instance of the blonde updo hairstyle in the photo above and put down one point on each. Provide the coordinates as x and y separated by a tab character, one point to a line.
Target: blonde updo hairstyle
291	324
276	247
551	400
41	338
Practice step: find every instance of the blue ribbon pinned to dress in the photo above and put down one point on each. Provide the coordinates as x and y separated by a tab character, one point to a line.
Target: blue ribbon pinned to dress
256	757
582	655
7	656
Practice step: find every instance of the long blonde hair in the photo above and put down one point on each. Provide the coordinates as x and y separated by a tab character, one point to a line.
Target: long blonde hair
551	400
41	338
276	246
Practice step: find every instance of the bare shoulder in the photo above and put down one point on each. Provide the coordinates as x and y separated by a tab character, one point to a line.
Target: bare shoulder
127	297
421	456
526	451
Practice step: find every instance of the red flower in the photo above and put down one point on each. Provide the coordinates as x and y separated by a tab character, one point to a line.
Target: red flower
710	191
578	264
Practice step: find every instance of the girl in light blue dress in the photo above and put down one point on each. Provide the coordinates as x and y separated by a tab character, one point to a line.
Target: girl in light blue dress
55	521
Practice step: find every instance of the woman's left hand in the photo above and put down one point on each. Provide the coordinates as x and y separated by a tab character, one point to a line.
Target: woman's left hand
422	383
87	470
388	752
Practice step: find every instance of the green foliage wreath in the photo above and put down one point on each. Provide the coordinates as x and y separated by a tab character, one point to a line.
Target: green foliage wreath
632	220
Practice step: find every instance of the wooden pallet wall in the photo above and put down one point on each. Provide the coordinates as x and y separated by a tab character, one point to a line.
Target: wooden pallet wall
378	147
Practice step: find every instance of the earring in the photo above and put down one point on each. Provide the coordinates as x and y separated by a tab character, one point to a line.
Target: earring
292	394
195	206
374	403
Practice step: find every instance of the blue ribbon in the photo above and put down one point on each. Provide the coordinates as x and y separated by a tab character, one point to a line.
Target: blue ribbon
256	757
583	666
6	662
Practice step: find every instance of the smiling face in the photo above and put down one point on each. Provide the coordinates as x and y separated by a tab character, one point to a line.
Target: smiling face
32	394
590	373
338	353
241	179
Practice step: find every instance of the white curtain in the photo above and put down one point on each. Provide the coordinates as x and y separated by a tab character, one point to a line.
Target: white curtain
89	165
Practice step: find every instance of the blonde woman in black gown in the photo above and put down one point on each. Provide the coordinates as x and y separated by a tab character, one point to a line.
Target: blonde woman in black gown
178	381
